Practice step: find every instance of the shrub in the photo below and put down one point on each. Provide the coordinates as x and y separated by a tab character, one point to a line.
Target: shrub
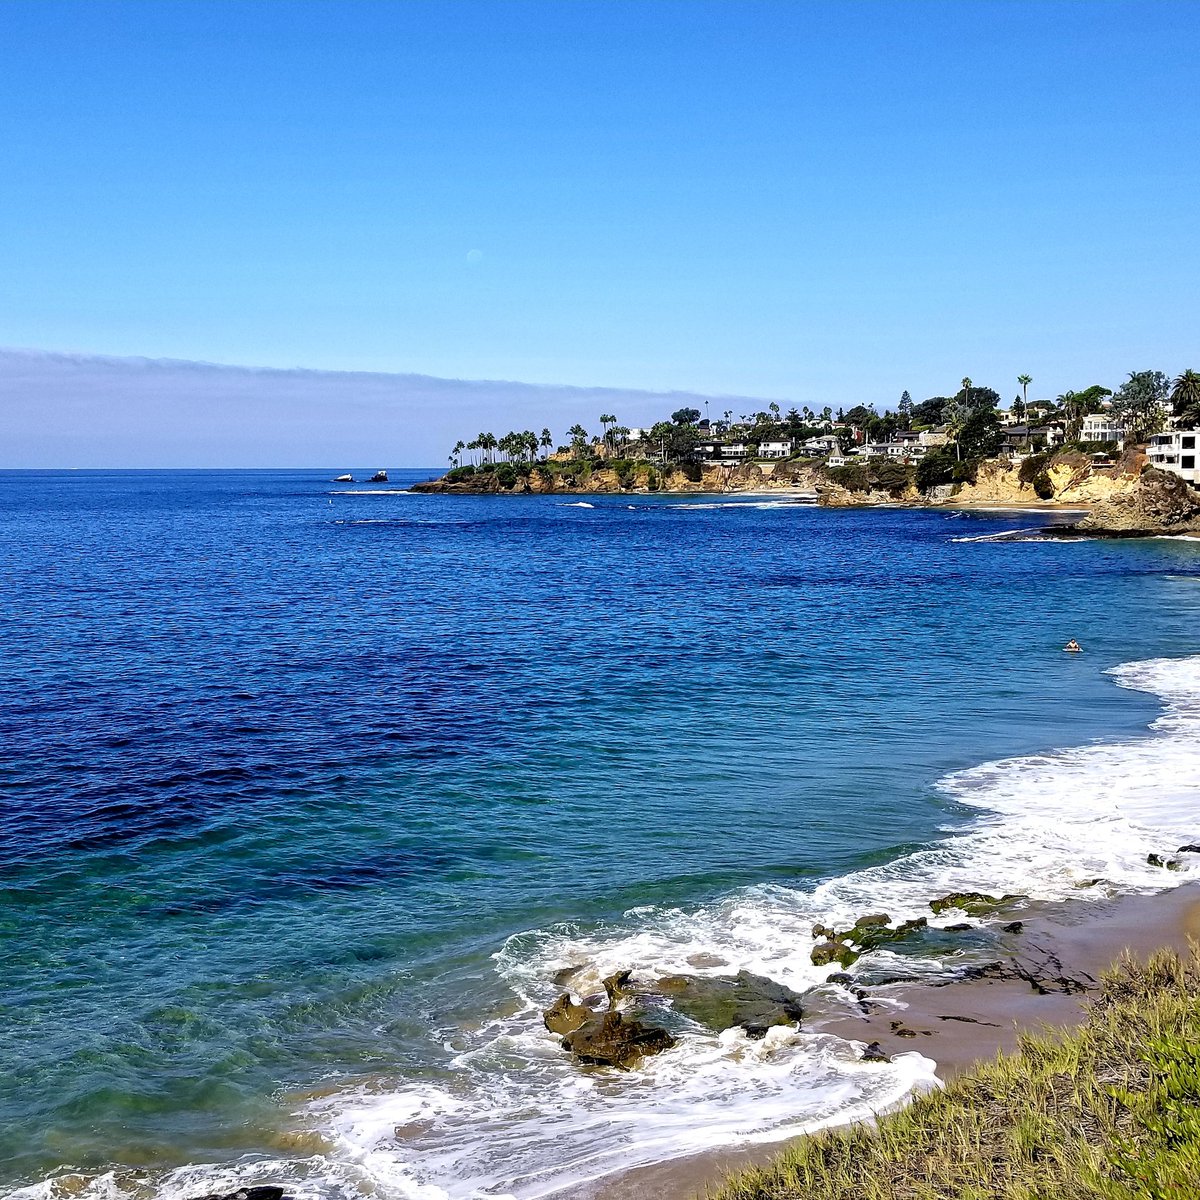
692	472
506	475
652	481
935	469
1033	466
966	471
852	477
460	473
1043	486
891	477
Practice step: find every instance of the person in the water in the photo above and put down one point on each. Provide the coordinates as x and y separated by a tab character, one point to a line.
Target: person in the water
1073	647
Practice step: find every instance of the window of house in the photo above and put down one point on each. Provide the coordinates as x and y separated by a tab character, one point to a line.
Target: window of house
1189	443
1188	462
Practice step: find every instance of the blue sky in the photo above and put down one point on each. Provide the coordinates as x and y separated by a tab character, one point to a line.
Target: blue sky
815	203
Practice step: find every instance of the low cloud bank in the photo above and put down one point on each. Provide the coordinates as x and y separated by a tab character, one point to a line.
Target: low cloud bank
68	410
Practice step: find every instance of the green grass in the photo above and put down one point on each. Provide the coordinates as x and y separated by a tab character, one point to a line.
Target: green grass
1107	1111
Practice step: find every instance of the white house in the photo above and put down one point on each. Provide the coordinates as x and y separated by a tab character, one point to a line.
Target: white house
775	449
1175	452
933	437
818	447
735	450
1102	427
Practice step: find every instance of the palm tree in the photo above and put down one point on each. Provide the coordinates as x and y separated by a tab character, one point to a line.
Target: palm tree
605	420
1185	399
456	453
487	442
578	436
547	441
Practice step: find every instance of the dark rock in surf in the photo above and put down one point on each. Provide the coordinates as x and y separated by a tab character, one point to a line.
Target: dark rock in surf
973	903
565	1016
747	1001
1157	860
261	1192
565	975
1190	848
1013	927
824	953
875	1053
613	1040
617	985
379	477
873	919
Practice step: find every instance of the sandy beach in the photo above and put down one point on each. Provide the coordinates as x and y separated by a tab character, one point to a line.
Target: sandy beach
1061	949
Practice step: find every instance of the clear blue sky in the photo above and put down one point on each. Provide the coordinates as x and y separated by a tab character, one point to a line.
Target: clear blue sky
817	203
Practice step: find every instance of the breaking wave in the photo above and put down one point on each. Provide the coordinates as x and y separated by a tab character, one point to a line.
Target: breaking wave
509	1115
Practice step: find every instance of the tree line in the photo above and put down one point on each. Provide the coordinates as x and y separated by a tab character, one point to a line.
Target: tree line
970	418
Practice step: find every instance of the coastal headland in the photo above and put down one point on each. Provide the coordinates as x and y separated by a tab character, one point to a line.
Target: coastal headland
1125	497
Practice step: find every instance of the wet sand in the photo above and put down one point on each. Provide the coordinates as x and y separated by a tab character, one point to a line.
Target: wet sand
1064	947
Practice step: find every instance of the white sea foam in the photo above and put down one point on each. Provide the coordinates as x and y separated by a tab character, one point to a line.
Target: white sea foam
512	1116
576	504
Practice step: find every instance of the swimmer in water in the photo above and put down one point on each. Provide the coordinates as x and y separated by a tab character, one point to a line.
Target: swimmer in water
1073	647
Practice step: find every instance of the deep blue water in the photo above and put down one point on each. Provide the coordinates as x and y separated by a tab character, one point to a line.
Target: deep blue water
282	768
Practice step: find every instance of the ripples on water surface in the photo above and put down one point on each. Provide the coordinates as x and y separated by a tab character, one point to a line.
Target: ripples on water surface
305	793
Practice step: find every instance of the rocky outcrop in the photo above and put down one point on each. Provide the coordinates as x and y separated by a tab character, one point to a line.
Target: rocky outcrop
605	1036
612	1039
972	903
1160	503
565	1015
747	1001
259	1192
634	478
867	933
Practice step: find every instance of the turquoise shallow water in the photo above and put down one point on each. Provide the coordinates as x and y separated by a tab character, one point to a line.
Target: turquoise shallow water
305	791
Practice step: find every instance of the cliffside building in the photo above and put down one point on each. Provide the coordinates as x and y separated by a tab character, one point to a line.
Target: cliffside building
1102	427
1176	452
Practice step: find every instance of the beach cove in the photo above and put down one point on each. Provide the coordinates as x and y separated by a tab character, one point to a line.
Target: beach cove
309	868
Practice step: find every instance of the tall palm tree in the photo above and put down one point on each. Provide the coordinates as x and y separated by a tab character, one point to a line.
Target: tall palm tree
1185	399
605	420
1025	381
547	441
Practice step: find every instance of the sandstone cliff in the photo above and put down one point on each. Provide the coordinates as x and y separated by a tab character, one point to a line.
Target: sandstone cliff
1161	503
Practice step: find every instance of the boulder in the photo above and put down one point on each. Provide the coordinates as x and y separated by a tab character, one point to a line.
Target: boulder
875	1053
1013	927
616	985
1188	849
565	1016
1157	860
614	1040
829	951
971	902
260	1192
869	933
566	974
747	1001
872	920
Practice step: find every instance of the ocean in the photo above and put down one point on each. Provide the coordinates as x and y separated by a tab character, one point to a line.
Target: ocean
308	790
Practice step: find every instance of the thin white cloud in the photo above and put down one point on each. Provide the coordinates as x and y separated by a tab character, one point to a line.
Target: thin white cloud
76	410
